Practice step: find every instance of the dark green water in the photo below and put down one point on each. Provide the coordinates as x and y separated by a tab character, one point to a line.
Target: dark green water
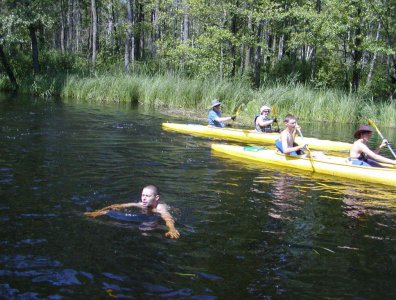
247	232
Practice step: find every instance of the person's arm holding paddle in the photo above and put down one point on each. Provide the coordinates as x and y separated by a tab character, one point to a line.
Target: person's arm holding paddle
288	135
371	122
383	145
360	147
287	140
361	154
215	118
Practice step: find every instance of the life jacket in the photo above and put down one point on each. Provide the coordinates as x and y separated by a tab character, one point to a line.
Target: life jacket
363	157
258	128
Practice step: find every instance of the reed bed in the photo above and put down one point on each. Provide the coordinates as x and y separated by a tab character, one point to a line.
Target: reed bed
238	97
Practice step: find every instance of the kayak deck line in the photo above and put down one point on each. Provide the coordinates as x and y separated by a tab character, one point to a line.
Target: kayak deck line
252	136
325	164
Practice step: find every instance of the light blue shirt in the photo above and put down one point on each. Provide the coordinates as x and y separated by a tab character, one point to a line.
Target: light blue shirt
213	115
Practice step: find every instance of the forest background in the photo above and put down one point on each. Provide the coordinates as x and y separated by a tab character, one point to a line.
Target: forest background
324	60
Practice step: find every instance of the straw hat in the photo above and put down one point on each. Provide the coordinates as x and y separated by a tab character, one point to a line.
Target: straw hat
265	107
361	129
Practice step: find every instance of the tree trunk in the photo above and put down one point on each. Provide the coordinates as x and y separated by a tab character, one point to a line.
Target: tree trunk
185	24
221	63
312	57
35	52
70	26
128	36
94	30
129	47
233	48
357	56
8	69
313	63
156	33
257	57
281	44
372	64
273	49
139	39
115	40
77	25
248	48
62	36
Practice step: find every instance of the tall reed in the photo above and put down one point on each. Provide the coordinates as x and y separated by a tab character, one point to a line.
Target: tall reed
174	92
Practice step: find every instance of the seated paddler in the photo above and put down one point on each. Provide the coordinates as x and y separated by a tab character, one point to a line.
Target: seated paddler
285	143
361	155
214	116
263	122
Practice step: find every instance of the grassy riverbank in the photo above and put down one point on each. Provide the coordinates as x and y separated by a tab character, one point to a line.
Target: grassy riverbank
192	97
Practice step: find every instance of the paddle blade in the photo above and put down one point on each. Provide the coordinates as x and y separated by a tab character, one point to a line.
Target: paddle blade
372	124
274	111
239	109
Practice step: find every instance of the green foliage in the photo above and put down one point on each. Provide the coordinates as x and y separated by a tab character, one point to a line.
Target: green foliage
201	60
310	44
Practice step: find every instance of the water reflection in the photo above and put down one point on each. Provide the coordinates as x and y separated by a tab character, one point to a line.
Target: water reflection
248	231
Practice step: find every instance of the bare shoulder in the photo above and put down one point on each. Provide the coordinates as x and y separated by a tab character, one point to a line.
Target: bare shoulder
162	207
284	134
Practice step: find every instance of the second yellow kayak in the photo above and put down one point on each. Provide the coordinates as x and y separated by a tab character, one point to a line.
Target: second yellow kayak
323	164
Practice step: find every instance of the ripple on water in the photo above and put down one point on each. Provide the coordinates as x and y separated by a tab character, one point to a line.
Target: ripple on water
40	270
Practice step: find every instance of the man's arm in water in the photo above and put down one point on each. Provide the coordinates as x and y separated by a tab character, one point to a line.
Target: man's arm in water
106	209
172	233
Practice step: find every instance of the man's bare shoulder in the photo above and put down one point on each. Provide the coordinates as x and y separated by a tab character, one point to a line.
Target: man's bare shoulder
284	133
162	207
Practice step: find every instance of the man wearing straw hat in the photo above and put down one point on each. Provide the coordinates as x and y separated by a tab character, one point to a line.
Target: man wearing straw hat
361	155
215	118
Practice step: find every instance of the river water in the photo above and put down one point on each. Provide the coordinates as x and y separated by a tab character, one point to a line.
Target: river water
247	231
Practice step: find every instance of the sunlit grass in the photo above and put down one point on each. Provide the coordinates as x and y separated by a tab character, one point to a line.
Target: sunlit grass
237	96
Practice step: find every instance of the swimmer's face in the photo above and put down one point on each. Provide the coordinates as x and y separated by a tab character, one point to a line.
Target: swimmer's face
149	198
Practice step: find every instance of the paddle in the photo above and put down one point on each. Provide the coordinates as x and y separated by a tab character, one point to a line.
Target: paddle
236	112
309	151
238	109
273	108
372	124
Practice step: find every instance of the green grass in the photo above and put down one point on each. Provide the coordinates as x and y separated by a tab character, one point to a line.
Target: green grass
191	97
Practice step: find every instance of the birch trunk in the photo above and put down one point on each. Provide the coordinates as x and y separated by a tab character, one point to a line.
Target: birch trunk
94	30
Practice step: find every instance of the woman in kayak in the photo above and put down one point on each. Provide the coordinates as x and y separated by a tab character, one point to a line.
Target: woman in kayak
262	122
214	116
361	155
285	143
149	202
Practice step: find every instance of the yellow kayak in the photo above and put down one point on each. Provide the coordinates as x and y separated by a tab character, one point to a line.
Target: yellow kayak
323	164
251	136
